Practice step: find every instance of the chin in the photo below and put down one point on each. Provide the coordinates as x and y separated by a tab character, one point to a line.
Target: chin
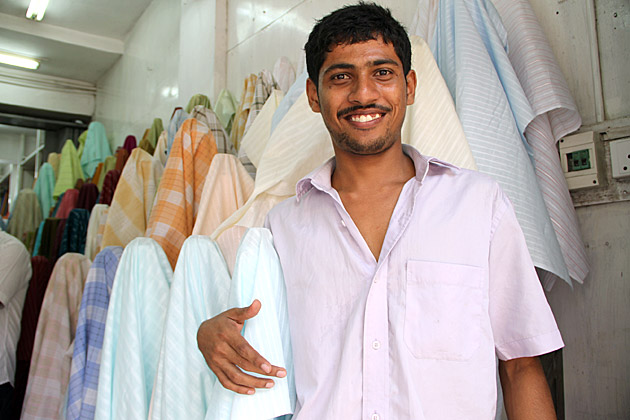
376	146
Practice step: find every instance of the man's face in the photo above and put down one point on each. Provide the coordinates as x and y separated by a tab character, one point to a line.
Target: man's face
362	96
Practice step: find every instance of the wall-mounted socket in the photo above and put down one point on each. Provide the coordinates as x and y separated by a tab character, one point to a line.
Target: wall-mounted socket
620	157
580	155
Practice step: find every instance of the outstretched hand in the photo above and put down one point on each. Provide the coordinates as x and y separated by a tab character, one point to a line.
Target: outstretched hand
220	341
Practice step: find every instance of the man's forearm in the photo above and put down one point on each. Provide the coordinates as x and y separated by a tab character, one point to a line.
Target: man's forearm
525	390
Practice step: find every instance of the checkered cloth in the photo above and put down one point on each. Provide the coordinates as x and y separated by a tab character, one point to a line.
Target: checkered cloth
50	363
240	118
177	201
88	341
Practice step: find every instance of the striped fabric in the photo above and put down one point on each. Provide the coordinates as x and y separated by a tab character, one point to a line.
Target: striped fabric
67	203
210	119
301	142
133	332
227	188
240	117
133	200
96	148
88	341
44	187
255	139
556	116
177	200
109	186
50	364
202	288
26	215
289	99
73	239
469	46
92	245
101	229
265	84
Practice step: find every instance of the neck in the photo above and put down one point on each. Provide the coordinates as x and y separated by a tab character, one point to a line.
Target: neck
357	173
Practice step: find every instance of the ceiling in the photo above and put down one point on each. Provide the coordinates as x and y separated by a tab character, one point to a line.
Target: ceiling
77	39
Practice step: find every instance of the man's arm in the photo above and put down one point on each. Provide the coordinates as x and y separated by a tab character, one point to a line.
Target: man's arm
525	391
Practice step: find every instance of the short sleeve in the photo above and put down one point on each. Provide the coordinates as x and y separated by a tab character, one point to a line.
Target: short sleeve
15	270
522	322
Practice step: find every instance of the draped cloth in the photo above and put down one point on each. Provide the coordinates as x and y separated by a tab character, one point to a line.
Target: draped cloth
226	188
88	194
81	141
283	73
202	288
74	233
133	332
54	159
240	117
161	153
49	234
177	119
154	132
92	244
301	142
469	45
42	269
130	143
26	215
121	158
265	84
96	148
196	100
109	186
97	178
69	169
225	109
88	341
44	187
556	116
133	200
209	118
67	203
50	364
255	140
177	200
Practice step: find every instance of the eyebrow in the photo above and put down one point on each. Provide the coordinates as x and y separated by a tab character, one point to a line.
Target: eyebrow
347	66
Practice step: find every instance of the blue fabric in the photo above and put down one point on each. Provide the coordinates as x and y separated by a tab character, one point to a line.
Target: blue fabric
289	99
96	148
59	199
176	122
44	188
38	238
133	332
88	341
202	288
74	234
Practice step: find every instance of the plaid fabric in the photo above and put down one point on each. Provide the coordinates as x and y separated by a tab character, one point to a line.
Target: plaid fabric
209	118
240	118
73	239
177	200
50	364
265	84
88	341
133	200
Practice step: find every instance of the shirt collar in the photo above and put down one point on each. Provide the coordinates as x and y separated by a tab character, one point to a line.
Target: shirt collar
320	178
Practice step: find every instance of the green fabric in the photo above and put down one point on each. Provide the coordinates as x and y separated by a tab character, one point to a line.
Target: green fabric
44	187
154	132
69	169
225	109
81	141
96	148
198	99
26	216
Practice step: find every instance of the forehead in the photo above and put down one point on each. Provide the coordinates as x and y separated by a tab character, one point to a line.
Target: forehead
360	53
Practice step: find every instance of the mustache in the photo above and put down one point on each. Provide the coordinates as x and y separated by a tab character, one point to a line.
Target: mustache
354	108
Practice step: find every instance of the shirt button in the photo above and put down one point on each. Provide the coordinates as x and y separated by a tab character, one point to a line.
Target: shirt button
376	345
376	417
343	223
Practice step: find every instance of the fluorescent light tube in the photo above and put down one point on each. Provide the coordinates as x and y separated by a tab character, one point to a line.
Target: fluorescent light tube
16	60
36	9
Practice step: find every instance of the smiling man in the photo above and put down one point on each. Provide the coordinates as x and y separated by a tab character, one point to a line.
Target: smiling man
406	276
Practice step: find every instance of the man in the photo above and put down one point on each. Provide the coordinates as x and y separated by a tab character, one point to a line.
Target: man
405	275
15	274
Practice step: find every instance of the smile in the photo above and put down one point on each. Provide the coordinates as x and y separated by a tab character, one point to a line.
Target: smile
365	118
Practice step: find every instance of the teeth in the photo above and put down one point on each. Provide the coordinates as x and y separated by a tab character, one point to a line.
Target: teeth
365	118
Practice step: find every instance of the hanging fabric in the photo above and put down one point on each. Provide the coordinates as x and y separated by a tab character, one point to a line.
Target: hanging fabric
26	215
50	367
109	186
44	187
121	158
96	148
54	159
178	118
202	288
88	194
255	140
283	73
177	200
49	235
69	169
73	239
133	332
225	109
88	340
92	245
289	99
209	118
196	100
130	143
265	84
240	117
67	203
161	154
81	143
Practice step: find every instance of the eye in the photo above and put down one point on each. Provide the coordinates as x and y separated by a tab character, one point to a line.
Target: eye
339	76
383	72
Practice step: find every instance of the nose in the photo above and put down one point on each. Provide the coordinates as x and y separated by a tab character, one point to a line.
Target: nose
364	91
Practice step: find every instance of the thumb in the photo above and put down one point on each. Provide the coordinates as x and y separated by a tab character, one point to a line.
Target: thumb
243	314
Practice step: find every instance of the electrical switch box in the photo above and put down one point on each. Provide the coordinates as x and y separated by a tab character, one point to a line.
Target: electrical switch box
620	157
579	158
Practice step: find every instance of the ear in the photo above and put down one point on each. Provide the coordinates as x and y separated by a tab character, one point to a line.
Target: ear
411	87
311	93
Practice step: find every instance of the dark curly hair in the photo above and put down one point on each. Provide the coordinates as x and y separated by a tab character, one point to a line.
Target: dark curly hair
353	24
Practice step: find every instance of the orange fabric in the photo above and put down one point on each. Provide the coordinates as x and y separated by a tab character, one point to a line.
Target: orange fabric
177	202
97	173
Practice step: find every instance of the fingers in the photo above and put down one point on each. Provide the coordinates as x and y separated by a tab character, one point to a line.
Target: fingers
241	315
236	380
250	360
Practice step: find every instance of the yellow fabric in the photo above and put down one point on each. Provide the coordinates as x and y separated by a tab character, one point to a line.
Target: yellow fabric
154	132
53	159
240	118
255	140
69	169
300	142
133	200
81	141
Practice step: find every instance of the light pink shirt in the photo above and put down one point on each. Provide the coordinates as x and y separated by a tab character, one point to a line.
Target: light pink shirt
413	335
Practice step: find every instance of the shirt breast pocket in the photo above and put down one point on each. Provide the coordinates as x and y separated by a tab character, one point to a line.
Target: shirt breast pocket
443	310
